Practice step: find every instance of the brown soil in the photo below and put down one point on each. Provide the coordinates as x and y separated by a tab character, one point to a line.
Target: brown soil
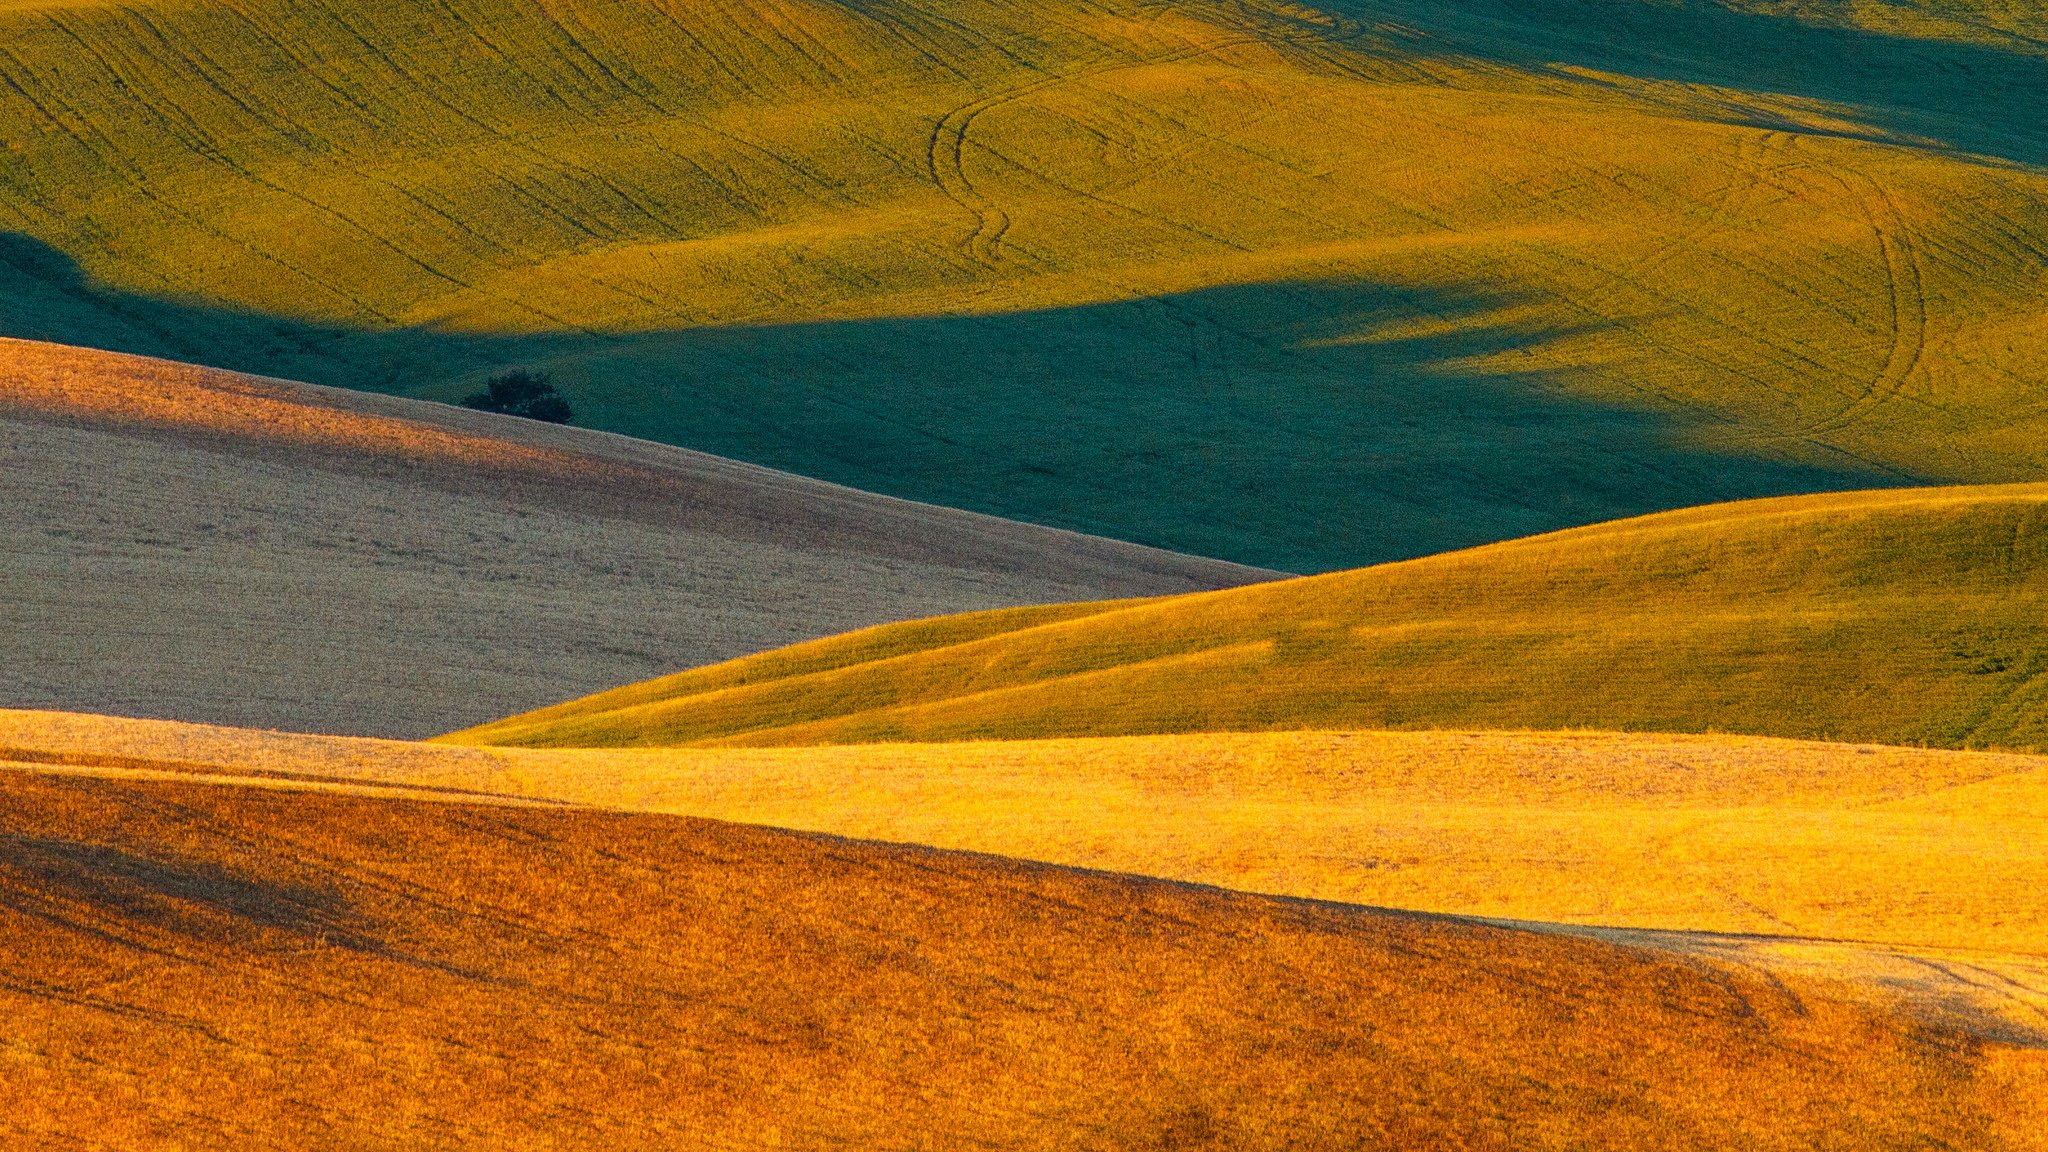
184	543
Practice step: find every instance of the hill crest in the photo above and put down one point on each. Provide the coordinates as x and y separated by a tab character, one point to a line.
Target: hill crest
193	544
1900	616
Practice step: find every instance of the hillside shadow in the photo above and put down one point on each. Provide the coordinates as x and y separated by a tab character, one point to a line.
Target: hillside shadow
44	295
106	893
119	898
1304	426
1979	98
1300	426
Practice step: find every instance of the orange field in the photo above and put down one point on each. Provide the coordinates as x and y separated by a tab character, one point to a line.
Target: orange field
1906	877
197	965
1093	576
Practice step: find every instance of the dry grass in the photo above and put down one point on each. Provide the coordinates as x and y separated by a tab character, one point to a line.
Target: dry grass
189	964
1904	617
1909	872
184	543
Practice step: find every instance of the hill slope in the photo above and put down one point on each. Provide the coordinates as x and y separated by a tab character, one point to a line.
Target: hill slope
1899	617
186	543
1911	876
190	963
1305	287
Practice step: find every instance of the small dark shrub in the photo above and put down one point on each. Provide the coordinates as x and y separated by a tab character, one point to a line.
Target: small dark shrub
521	393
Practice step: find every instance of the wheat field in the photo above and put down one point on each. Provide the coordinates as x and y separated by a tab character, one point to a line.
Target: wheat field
1651	753
201	965
1897	873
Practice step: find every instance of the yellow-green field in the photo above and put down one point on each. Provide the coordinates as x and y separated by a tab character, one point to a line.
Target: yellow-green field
1903	617
1306	287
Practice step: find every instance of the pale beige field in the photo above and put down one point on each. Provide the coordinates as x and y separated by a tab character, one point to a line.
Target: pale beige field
1906	872
198	545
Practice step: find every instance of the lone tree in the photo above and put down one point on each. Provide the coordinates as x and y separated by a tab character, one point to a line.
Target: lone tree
521	393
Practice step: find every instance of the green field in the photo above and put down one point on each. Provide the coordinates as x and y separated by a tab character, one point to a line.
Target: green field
1900	617
1306	287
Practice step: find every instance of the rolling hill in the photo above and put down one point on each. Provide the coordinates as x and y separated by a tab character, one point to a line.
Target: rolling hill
1569	821
187	543
190	963
1901	617
1907	877
1301	286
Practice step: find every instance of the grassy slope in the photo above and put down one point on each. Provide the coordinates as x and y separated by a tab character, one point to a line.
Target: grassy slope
1306	288
1902	617
191	964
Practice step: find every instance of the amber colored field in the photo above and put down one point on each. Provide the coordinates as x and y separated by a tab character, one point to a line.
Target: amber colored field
190	964
1902	617
1913	872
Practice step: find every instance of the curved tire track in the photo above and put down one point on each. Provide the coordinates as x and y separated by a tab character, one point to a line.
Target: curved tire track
1906	300
948	142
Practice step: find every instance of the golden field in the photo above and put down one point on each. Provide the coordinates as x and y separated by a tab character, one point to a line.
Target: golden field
1859	863
202	964
1902	617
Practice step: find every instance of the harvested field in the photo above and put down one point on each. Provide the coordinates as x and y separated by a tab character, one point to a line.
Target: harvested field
881	721
1908	873
192	964
178	542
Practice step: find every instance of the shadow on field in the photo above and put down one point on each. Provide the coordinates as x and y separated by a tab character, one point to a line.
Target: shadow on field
1973	96
103	891
1299	426
44	295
